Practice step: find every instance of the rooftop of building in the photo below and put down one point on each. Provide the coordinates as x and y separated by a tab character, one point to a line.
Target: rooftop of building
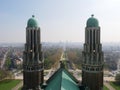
32	22
62	80
92	22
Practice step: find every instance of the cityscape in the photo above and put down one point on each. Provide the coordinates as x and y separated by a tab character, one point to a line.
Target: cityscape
13	53
60	45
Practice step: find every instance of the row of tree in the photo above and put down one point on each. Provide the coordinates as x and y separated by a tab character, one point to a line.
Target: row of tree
5	74
75	56
52	57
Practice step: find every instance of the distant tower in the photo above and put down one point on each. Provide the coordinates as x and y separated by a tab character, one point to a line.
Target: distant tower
92	64
32	56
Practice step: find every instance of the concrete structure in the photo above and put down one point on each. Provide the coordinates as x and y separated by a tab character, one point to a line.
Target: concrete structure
32	57
92	64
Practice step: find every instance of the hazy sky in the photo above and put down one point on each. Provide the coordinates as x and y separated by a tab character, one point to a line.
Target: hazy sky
59	20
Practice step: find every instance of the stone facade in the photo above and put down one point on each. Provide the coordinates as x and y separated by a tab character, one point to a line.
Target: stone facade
92	64
32	60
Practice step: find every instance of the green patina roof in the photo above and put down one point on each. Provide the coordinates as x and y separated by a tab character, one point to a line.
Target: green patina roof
32	22
62	80
92	22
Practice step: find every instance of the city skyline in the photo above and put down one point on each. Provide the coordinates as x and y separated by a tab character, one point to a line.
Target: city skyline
59	20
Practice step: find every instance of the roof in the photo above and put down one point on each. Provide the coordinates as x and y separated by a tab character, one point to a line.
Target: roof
92	22
62	80
32	22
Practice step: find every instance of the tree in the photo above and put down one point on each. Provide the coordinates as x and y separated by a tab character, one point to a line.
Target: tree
75	56
52	57
5	74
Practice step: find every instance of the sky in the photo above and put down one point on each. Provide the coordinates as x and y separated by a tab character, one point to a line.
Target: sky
59	20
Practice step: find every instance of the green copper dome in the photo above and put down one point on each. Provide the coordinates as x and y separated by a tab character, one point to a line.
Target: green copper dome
92	22
32	22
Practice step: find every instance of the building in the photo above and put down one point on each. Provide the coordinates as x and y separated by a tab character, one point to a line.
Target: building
118	66
92	64
62	79
32	57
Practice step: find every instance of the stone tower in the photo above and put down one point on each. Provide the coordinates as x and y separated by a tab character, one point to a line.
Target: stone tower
32	57
92	64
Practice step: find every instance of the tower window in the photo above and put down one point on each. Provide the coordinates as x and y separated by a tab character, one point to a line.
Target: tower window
93	50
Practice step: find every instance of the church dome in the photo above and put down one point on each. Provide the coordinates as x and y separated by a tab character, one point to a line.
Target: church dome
32	22
92	22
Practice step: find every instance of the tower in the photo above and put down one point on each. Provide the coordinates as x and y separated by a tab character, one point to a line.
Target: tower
92	63
32	57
